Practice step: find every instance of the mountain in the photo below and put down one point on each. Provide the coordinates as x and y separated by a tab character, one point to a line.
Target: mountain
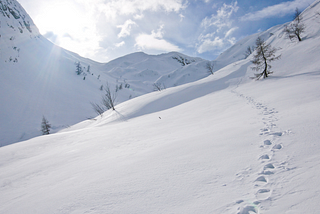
39	78
222	144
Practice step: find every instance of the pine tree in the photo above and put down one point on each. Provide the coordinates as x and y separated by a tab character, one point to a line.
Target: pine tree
262	58
78	68
45	126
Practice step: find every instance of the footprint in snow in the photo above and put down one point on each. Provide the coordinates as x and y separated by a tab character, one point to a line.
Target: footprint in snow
267	142
264	157
263	194
279	134
261	179
247	210
277	146
266	172
269	166
264	131
239	201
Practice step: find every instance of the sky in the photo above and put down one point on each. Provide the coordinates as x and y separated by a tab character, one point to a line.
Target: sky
103	30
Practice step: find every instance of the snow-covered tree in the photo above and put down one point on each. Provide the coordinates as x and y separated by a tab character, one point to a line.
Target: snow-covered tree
264	54
296	27
45	126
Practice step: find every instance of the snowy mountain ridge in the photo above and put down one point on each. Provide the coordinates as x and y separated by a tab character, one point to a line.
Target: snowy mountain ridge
14	23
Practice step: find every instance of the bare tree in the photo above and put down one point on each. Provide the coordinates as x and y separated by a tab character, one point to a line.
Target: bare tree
209	67
158	87
107	101
296	27
45	126
99	109
262	58
248	52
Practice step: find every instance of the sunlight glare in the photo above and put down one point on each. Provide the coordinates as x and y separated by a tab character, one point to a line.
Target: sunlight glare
73	26
60	18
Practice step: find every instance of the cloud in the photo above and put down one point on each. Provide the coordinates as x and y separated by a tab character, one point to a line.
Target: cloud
138	16
51	36
278	10
155	42
229	32
208	45
125	28
218	30
181	17
120	44
222	18
114	8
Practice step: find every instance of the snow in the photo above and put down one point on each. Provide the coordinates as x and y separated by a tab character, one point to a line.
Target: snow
39	79
223	144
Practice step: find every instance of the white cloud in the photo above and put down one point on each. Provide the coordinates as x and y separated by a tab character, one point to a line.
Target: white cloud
181	17
218	29
125	28
120	44
222	18
277	10
155	41
113	8
138	16
229	32
208	45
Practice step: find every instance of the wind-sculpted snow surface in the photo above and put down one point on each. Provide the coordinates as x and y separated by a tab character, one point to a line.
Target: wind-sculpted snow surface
223	144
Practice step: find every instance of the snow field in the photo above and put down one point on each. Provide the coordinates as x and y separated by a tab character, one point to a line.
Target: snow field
223	144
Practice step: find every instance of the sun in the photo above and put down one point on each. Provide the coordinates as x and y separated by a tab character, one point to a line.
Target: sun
61	18
70	26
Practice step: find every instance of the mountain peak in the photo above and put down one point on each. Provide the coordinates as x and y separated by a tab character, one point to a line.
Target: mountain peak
16	28
16	18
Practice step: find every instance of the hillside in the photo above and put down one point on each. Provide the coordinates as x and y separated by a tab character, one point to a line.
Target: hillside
39	78
223	144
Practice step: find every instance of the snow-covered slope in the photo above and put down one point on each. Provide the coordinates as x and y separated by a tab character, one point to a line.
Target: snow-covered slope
223	144
39	79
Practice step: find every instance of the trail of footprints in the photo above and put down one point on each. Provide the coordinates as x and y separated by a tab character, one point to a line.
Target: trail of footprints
262	191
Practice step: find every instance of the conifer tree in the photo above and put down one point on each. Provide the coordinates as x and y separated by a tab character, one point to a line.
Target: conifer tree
263	56
45	126
78	68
